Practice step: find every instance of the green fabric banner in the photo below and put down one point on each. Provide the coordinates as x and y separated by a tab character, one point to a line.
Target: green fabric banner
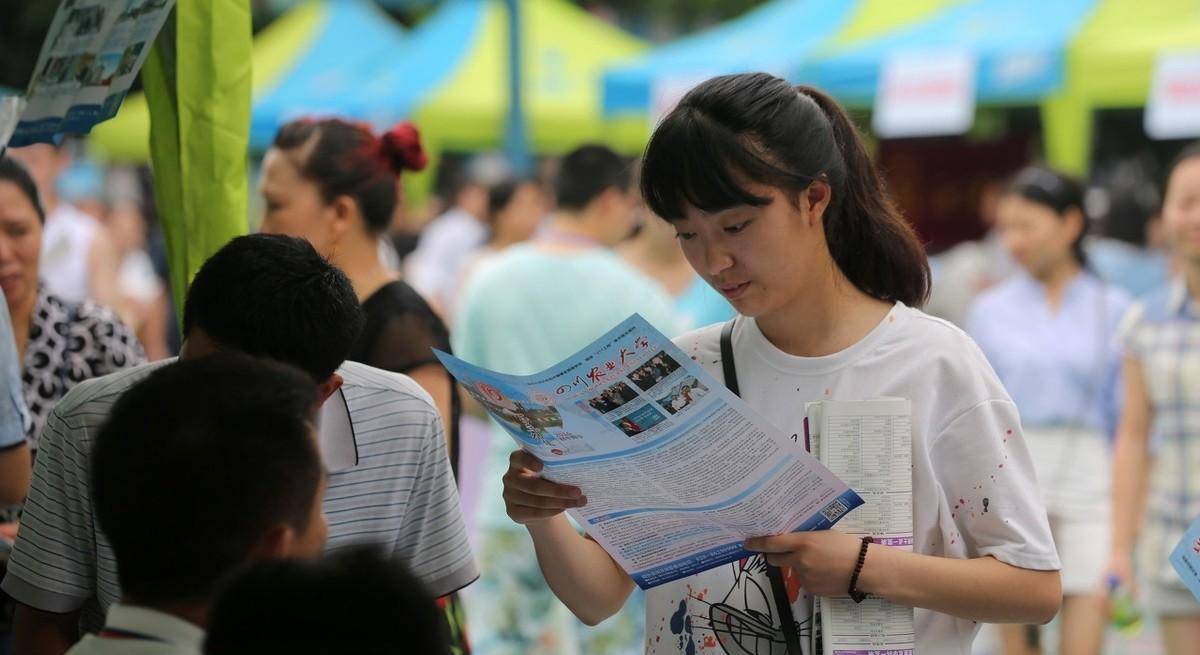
200	130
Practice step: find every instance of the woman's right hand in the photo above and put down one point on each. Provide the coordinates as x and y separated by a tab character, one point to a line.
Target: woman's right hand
529	498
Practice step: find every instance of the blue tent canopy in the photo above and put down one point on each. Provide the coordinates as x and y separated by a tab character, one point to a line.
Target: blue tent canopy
431	52
776	37
354	42
1019	46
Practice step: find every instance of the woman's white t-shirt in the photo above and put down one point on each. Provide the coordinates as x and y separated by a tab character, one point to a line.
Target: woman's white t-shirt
974	490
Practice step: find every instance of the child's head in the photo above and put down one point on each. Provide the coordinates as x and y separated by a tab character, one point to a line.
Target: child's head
356	601
767	182
204	465
1181	205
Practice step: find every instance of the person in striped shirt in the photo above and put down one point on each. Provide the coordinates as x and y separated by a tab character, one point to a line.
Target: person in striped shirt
380	435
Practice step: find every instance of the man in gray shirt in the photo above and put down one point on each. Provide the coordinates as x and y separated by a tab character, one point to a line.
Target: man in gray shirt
380	435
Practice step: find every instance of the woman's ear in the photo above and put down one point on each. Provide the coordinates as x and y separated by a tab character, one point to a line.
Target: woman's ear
276	543
1076	222
814	201
343	213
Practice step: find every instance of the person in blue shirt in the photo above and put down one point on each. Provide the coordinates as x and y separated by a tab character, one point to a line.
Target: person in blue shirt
1050	332
15	467
524	309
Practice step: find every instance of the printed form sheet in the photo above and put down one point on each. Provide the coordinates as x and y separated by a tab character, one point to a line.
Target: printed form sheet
677	470
868	444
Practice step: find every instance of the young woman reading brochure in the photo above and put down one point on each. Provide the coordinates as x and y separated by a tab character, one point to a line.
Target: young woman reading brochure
778	206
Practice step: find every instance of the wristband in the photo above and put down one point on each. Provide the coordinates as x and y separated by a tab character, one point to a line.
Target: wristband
856	595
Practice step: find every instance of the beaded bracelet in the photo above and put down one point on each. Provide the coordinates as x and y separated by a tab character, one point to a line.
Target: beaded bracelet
856	595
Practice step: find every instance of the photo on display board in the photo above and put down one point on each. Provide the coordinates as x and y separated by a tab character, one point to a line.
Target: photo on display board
136	10
84	21
129	58
57	70
96	71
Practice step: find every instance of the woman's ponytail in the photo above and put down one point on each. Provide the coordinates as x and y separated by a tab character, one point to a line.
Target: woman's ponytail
869	239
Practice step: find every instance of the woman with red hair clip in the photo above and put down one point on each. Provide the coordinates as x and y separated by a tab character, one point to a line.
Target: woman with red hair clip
337	184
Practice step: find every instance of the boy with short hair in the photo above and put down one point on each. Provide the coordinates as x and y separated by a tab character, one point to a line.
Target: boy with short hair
203	466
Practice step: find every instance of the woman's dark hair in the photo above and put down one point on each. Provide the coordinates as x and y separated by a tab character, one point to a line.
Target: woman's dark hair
345	158
1056	191
588	171
757	128
500	194
13	171
1190	151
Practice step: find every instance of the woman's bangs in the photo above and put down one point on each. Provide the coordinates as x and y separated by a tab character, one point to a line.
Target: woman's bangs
692	161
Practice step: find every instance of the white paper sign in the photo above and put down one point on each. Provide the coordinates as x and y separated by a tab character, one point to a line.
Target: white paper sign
925	94
1173	108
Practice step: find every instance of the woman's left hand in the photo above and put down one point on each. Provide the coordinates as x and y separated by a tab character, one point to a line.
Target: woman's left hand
822	561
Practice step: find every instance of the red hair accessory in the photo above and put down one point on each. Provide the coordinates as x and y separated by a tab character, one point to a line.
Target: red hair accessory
401	145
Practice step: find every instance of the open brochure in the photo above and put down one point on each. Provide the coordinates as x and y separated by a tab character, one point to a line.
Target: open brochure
677	470
88	63
869	445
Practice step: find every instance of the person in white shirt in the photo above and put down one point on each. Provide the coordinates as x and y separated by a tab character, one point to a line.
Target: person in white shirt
779	207
79	259
450	240
230	438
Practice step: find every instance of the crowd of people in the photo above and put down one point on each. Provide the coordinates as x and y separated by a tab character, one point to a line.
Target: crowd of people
300	474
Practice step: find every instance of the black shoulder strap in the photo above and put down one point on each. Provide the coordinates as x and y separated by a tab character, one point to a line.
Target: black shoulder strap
731	380
787	620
